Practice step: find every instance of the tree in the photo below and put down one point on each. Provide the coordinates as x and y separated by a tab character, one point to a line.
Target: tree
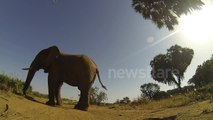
93	95
149	90
97	97
203	74
125	100
212	57
165	12
101	97
169	68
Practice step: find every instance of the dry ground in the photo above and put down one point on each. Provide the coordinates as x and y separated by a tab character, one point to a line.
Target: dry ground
14	107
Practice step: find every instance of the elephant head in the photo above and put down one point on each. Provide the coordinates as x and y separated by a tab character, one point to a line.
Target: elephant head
43	60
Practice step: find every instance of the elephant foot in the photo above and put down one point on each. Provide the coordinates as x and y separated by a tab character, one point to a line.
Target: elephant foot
50	103
81	108
59	104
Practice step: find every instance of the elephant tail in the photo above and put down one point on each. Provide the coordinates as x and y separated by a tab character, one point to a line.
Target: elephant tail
99	78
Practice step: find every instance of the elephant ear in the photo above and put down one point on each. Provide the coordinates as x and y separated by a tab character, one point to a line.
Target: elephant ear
52	56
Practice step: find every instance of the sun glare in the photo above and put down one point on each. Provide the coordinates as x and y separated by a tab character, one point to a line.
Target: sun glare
198	26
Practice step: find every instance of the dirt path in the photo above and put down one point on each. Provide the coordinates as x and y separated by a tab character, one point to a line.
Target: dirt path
20	108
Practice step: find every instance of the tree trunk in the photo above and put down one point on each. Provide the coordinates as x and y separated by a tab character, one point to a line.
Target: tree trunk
179	83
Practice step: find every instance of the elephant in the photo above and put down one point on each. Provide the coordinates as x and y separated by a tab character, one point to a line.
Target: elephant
75	70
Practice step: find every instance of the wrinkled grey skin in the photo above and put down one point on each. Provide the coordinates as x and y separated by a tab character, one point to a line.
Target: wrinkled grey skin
75	70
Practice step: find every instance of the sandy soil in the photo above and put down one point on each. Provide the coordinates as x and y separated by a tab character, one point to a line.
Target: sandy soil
13	107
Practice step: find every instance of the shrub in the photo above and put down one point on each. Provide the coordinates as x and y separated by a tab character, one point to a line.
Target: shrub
161	95
14	85
96	96
149	90
140	101
203	93
125	100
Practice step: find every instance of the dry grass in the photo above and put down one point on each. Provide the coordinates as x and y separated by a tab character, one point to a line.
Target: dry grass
196	105
180	106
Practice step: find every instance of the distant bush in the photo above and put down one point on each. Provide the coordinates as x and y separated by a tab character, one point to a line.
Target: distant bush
125	100
97	97
14	85
183	90
161	95
149	90
176	98
140	101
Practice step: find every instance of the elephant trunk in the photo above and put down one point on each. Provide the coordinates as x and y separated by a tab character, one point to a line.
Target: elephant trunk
30	76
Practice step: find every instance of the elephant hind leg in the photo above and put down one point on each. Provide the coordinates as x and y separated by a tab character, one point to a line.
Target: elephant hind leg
83	102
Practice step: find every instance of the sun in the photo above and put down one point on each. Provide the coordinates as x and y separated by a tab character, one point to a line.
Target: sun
198	26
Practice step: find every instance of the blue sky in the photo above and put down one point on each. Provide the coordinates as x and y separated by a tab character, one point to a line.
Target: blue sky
109	31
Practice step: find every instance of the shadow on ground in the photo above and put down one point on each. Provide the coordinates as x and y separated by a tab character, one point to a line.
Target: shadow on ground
32	99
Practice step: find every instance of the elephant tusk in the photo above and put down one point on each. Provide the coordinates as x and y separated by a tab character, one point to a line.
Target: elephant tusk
26	68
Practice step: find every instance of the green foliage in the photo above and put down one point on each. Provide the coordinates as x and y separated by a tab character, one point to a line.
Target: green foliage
181	58
183	90
175	98
15	85
203	75
202	93
140	101
161	95
161	69
165	12
149	90
125	100
97	97
169	68
101	97
93	95
12	84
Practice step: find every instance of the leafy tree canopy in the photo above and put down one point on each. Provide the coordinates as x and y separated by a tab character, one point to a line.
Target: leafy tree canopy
96	96
149	90
165	12
203	75
169	68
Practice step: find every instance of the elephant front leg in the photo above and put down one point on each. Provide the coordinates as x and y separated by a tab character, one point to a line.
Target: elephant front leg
58	93
51	85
